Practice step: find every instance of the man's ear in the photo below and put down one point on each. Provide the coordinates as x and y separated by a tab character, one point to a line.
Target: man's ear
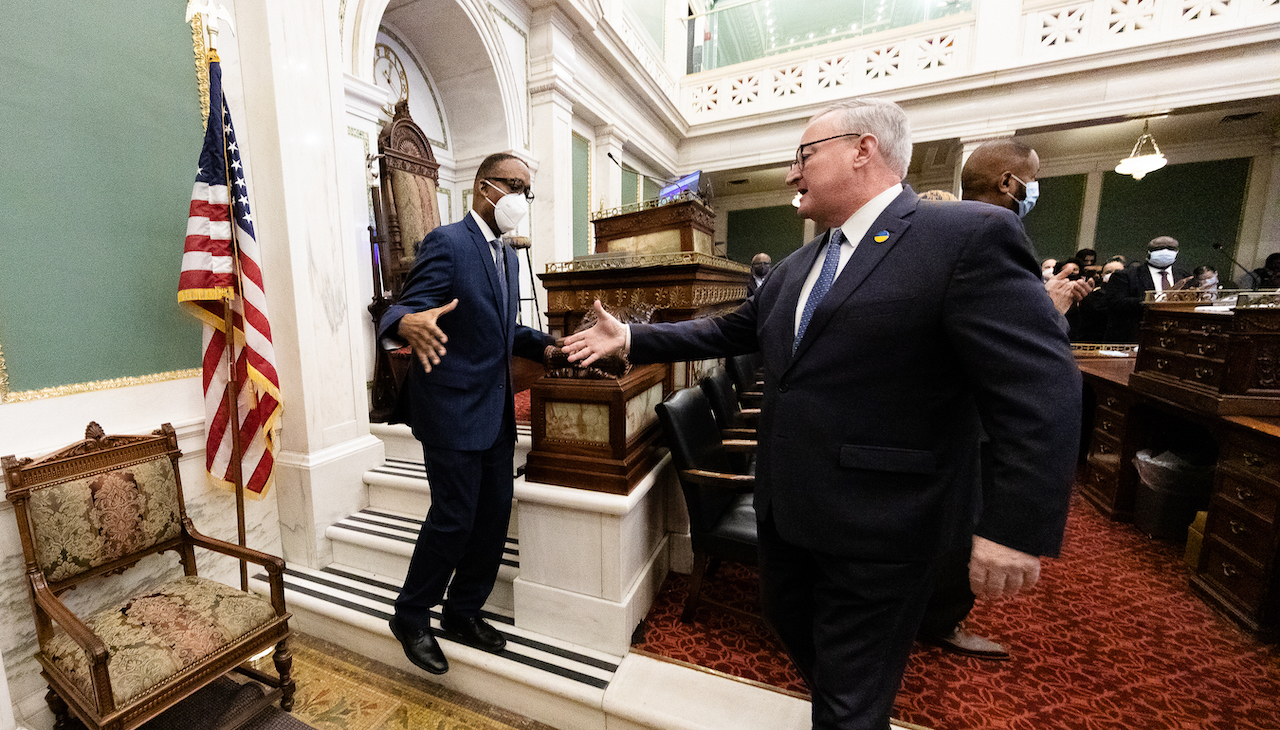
867	146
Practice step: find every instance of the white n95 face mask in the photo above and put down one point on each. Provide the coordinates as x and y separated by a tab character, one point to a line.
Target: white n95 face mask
510	210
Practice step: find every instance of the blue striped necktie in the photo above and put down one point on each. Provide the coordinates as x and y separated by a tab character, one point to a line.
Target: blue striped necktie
820	287
500	263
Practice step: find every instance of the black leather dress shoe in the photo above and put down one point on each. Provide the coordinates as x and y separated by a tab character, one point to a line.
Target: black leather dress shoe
420	646
473	632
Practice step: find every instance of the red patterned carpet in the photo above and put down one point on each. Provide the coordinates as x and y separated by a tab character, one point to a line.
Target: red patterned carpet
1112	637
524	401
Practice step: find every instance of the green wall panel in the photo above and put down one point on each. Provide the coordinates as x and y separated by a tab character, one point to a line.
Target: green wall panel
651	188
776	230
1198	203
630	186
1054	224
100	147
581	194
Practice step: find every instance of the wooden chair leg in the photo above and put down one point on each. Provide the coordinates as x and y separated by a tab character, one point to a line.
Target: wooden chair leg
713	566
62	718
283	660
691	601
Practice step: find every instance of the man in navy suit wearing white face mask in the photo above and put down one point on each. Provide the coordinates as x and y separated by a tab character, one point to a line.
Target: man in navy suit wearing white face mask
461	408
1126	290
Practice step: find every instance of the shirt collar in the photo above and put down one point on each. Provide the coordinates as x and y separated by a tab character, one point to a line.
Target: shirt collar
858	224
485	230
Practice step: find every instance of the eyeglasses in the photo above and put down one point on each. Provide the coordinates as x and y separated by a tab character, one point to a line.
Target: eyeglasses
798	163
514	185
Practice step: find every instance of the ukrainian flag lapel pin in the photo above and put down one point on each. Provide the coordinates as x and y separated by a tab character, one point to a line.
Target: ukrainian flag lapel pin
881	237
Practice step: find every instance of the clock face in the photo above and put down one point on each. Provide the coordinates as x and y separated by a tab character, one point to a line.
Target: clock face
389	73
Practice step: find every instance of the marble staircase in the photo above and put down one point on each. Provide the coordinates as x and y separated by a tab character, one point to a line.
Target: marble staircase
557	682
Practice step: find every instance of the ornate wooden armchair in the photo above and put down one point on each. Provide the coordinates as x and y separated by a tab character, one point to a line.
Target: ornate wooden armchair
406	210
93	510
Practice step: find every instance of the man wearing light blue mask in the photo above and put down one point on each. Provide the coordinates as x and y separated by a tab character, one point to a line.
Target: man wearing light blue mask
1126	290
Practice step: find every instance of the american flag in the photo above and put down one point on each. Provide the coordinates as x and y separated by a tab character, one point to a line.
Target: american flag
221	268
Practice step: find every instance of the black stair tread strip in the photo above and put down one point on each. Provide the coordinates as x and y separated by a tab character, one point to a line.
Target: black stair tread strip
507	654
401	471
340	586
366	521
395	460
414	539
375	533
389	516
488	615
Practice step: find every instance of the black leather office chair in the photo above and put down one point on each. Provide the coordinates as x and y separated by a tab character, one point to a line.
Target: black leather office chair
734	420
722	521
744	370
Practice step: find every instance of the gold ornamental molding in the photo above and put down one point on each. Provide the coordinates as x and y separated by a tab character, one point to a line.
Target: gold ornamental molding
675	296
202	64
23	396
606	262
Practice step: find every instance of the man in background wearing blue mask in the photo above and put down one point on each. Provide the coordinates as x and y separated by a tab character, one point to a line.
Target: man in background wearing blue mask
1127	289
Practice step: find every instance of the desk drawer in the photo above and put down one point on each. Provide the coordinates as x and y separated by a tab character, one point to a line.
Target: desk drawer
1243	530
1191	343
1255	457
1114	399
1234	574
1104	451
1108	423
1250	494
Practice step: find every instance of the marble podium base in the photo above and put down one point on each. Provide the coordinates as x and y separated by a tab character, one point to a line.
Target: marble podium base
592	562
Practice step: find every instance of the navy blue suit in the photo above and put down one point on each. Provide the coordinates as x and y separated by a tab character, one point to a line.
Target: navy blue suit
869	432
464	414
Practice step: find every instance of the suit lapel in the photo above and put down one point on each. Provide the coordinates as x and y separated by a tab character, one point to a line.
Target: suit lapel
882	236
491	270
790	298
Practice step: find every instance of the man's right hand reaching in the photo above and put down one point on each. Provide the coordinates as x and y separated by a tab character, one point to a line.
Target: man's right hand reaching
607	337
422	333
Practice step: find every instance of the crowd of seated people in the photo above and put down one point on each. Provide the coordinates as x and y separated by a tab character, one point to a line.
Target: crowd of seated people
1112	311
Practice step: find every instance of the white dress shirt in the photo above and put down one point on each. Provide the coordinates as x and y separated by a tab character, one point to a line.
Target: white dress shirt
854	229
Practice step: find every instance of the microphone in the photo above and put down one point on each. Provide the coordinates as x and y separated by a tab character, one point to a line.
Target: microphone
1229	256
652	177
518	242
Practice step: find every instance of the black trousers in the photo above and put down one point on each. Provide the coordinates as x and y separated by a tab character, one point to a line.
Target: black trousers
952	598
463	535
847	624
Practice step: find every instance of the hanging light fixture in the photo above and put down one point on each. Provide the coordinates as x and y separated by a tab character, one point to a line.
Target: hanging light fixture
1145	156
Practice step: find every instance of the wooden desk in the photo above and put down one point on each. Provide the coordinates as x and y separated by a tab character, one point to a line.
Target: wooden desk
1239	565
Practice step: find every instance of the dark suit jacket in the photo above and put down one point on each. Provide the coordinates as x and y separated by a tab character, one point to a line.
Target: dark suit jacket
869	432
465	401
1124	293
751	284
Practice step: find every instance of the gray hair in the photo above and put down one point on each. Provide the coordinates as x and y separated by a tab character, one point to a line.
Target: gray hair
884	120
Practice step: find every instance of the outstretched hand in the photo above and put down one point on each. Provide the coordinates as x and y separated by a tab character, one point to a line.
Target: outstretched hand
997	571
607	337
424	335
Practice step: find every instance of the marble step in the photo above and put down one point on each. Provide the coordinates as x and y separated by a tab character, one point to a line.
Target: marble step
552	681
380	542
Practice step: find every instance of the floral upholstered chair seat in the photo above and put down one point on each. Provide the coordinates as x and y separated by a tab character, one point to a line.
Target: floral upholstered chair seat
151	638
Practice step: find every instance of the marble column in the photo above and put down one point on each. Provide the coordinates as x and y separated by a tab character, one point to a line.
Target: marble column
608	178
295	134
551	51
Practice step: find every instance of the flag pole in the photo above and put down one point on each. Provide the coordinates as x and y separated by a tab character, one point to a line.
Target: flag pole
233	375
232	397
